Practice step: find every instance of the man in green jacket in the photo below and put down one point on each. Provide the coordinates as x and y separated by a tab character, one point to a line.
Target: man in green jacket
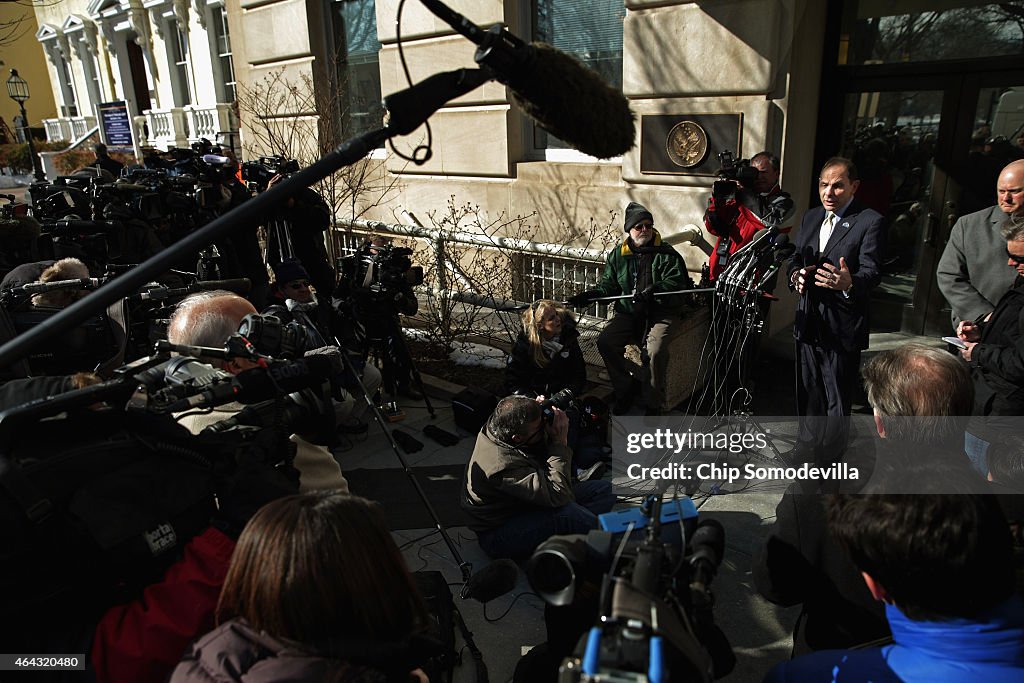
642	266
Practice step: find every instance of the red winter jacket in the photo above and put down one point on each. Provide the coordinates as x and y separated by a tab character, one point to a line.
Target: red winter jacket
730	219
143	640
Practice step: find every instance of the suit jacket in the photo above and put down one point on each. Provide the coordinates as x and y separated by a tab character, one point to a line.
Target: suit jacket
825	317
972	272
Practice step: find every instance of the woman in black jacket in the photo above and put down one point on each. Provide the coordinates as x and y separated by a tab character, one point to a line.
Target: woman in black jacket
546	360
546	357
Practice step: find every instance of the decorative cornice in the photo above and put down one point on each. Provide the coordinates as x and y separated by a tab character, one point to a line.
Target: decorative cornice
199	6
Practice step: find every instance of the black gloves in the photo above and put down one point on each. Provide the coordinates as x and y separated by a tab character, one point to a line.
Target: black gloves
645	297
584	298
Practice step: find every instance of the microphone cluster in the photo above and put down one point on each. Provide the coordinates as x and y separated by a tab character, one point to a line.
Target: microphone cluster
752	268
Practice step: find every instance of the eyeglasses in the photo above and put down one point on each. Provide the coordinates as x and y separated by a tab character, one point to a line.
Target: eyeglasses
1017	260
640	227
298	284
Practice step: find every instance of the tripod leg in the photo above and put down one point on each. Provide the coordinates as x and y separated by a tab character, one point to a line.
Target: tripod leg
464	567
399	340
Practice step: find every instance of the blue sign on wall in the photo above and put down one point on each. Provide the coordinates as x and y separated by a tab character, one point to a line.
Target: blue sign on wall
115	125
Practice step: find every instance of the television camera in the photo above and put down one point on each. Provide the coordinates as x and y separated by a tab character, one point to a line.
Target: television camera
654	605
100	487
259	173
731	172
381	270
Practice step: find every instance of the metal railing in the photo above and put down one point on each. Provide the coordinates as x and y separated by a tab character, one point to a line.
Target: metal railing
541	271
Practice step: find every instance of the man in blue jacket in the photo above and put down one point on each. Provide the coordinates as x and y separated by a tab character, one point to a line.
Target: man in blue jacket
943	565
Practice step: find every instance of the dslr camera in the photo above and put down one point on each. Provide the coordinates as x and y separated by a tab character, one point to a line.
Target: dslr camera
563	400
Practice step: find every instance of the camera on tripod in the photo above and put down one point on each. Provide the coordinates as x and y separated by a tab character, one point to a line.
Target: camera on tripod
259	173
731	172
655	620
392	269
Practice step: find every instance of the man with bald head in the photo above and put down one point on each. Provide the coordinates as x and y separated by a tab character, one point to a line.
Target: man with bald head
968	274
208	319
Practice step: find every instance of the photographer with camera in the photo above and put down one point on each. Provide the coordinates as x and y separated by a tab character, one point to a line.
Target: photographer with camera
295	301
209	319
376	285
746	198
239	252
518	487
547	360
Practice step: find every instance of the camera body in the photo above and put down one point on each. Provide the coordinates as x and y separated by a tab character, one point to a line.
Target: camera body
654	606
259	173
563	400
271	336
392	269
733	171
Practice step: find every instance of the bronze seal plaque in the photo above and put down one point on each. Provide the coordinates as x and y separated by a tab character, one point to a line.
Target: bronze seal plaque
686	144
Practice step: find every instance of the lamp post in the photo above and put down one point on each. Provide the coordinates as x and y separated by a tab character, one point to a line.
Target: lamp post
17	89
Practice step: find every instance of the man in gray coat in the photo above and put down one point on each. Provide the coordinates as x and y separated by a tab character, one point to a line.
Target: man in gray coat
966	273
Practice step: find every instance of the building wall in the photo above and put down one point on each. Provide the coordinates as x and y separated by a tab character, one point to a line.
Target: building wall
97	37
759	58
25	55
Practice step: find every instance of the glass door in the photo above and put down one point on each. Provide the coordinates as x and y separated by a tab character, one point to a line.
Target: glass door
893	135
928	99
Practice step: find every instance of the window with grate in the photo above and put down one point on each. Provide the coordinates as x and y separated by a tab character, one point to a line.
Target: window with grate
357	50
551	277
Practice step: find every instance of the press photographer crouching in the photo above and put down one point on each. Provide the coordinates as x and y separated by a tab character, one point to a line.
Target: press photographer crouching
547	360
518	484
376	285
209	319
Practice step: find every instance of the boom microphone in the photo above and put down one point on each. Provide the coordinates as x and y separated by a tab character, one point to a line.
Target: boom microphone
40	287
564	97
237	285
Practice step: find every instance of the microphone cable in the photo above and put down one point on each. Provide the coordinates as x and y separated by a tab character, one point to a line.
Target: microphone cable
422	153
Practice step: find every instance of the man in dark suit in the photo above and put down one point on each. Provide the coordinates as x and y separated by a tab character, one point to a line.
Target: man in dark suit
834	270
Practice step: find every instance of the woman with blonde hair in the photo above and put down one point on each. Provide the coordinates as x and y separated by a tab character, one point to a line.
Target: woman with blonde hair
546	357
546	360
317	590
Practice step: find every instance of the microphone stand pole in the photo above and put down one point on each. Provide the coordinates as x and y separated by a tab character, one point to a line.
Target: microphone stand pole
464	567
617	297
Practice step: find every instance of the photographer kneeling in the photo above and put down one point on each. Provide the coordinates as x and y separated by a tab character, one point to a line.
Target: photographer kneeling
517	485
